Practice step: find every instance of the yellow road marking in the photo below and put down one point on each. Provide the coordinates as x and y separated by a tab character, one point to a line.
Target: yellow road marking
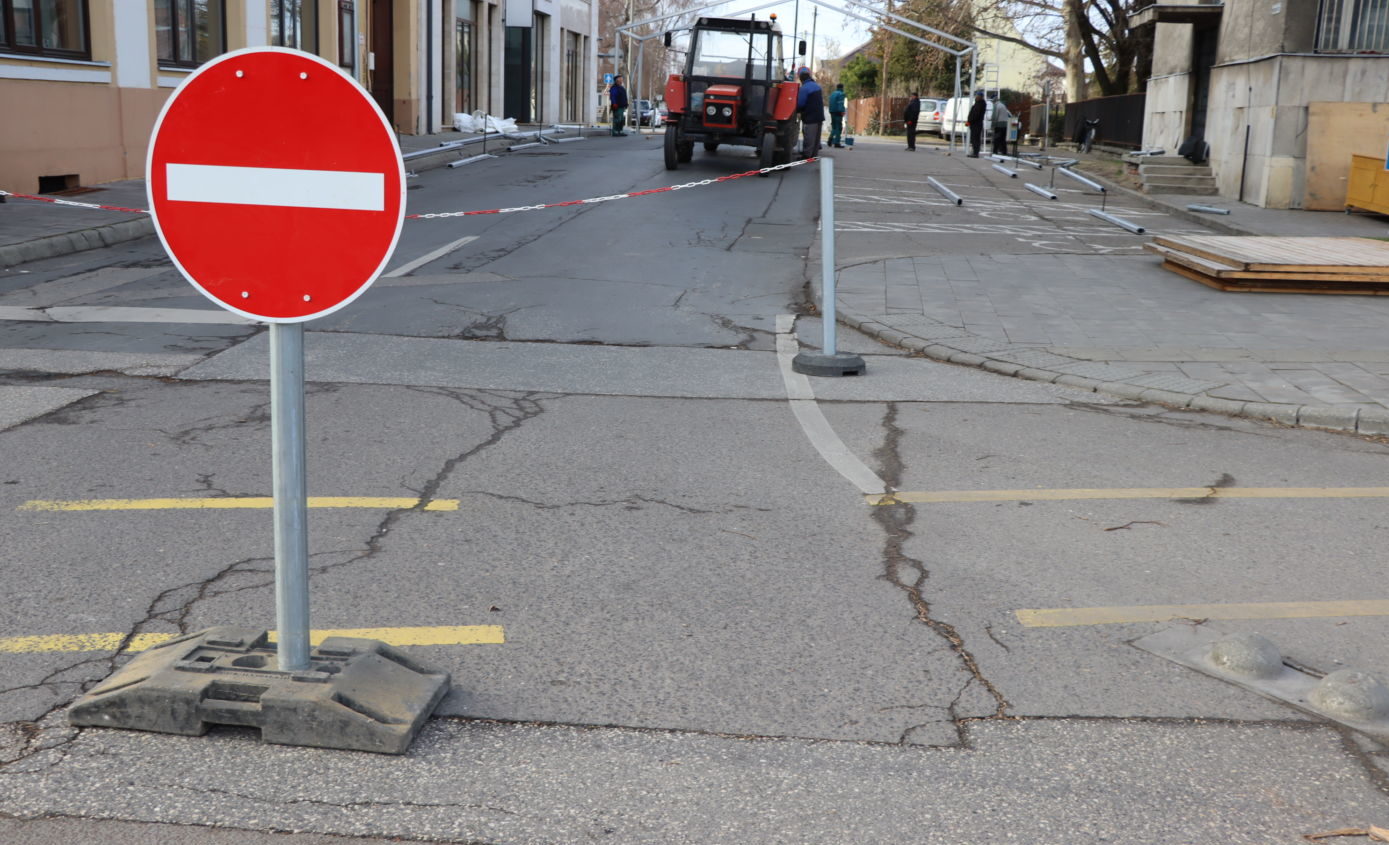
442	635
1057	495
1064	617
235	503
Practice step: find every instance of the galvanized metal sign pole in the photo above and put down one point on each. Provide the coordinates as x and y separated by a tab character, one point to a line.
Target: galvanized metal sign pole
290	483
278	190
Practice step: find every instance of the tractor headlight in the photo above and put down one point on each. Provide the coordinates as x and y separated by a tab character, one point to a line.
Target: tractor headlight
711	111
727	111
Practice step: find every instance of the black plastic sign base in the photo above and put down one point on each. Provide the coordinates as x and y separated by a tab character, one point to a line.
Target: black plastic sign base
357	694
820	364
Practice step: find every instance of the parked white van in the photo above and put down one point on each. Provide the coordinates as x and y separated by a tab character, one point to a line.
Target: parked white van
956	115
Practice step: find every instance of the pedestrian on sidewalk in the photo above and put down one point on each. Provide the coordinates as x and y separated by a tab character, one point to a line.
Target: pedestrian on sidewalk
617	96
975	122
909	117
1000	122
838	108
810	101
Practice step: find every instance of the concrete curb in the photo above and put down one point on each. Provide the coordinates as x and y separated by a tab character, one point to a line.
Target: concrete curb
66	243
1353	420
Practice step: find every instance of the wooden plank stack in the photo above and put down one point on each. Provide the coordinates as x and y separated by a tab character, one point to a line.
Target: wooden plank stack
1279	265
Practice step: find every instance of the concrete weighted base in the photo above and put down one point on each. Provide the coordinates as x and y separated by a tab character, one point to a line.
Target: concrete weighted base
819	364
357	694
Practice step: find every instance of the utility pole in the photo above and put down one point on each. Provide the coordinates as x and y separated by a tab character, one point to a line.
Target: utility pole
795	33
814	19
882	83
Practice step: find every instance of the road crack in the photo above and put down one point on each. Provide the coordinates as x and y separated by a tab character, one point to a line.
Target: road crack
912	576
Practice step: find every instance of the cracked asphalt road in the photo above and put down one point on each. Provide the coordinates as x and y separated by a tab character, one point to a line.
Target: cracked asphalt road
710	636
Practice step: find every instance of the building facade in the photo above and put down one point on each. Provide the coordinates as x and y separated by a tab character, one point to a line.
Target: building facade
1283	91
82	81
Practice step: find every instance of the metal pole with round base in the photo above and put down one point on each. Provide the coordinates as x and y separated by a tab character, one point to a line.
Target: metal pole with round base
829	362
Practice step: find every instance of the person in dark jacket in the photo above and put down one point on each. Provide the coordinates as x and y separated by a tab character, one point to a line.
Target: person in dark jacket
617	96
909	118
810	101
976	123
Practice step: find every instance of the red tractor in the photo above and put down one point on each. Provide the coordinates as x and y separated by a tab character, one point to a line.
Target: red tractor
734	91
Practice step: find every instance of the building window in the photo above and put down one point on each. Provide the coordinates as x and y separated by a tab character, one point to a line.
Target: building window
464	67
189	32
45	27
539	43
573	71
1353	26
294	23
347	35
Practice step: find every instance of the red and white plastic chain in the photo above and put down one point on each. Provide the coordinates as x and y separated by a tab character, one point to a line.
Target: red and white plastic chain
590	201
593	200
56	201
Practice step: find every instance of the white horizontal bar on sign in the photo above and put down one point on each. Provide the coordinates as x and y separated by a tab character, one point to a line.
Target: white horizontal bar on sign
338	189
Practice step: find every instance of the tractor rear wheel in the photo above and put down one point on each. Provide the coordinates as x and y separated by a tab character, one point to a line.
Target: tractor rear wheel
672	142
711	146
767	153
685	151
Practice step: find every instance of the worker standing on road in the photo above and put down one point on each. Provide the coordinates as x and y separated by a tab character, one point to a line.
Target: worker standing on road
975	122
811	104
1000	123
617	96
909	117
838	108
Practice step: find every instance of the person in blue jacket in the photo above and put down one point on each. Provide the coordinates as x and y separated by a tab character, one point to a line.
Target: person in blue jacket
617	96
838	108
811	104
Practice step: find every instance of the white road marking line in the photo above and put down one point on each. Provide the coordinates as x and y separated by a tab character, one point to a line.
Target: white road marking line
817	429
281	186
428	257
121	314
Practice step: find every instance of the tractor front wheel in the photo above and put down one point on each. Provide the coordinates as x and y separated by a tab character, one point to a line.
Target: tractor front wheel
786	138
711	146
672	146
767	154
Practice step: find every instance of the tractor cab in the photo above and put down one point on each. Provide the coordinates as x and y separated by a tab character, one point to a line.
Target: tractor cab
734	90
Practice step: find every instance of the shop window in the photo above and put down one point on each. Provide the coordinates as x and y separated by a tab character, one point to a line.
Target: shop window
45	27
294	23
189	32
1353	26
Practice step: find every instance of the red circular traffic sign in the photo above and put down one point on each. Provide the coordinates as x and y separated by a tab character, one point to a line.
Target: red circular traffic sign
276	184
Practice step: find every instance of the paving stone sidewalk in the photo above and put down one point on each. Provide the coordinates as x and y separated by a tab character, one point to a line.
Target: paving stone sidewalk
985	285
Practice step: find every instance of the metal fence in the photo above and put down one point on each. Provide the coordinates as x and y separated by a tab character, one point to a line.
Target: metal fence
1121	119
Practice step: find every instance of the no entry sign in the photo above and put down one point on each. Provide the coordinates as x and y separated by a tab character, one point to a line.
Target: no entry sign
276	184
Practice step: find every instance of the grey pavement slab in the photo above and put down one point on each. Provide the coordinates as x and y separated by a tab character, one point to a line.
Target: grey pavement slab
19	404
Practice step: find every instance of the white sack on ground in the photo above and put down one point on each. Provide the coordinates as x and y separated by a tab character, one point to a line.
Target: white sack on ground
477	120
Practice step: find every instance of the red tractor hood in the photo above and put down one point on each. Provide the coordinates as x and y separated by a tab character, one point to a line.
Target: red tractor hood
727	92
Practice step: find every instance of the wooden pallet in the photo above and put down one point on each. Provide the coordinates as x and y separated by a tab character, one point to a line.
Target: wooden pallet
1282	265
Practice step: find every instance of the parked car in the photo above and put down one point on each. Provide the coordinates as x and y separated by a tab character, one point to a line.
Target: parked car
646	113
931	111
